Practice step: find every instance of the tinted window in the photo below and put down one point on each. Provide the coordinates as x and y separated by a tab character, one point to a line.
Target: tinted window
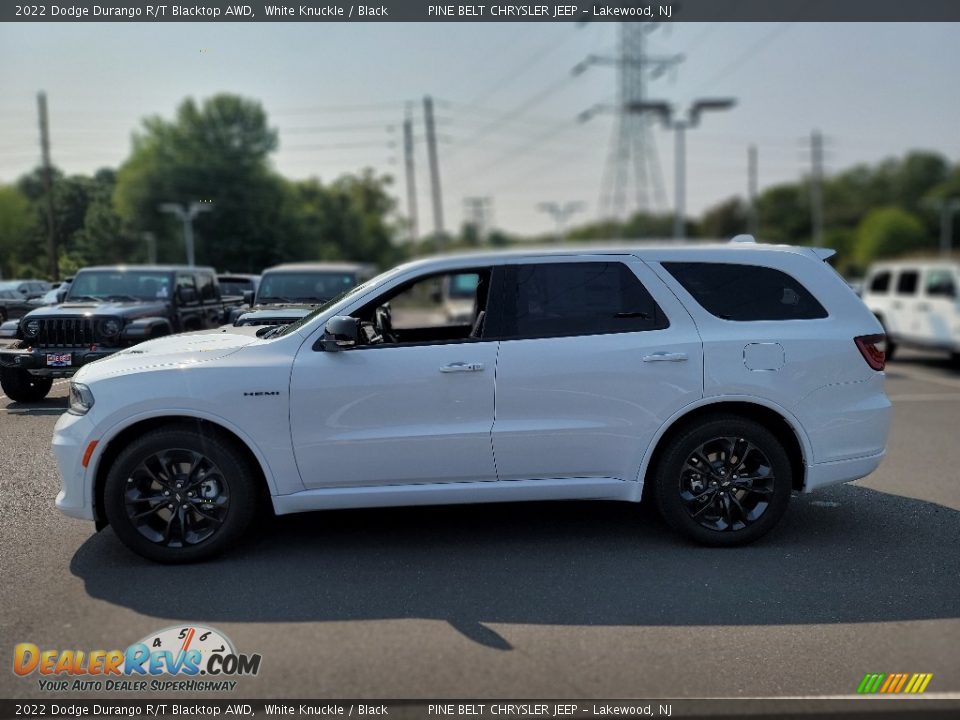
907	282
207	289
880	283
564	299
120	284
746	292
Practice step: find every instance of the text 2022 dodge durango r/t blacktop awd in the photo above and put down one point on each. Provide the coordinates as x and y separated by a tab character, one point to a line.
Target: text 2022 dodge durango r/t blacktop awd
712	379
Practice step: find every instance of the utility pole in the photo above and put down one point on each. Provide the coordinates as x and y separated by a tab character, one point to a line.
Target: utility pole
947	207
561	214
632	143
477	212
411	174
816	187
186	214
753	218
435	191
665	111
52	250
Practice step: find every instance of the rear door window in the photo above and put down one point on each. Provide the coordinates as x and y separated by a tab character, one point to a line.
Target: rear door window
940	282
746	292
907	282
567	299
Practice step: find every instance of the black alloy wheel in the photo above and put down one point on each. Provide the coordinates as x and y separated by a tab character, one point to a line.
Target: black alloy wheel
723	480
181	493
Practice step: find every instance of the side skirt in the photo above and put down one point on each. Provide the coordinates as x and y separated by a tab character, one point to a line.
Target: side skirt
458	493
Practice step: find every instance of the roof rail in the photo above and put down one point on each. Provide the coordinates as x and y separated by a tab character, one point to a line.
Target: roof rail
744	239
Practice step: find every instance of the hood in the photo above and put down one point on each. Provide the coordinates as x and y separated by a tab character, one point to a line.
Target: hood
129	309
174	351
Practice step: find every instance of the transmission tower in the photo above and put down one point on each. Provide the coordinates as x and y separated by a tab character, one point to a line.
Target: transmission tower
632	159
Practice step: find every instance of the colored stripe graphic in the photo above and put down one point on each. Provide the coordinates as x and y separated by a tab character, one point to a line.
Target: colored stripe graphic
893	683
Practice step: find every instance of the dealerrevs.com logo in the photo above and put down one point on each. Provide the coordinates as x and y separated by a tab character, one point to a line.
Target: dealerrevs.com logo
199	658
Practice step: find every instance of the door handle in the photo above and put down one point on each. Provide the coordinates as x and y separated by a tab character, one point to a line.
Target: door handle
459	367
666	357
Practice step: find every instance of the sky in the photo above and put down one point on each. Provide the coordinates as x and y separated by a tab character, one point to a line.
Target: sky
506	100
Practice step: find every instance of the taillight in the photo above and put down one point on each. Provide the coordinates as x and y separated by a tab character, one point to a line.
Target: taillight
873	348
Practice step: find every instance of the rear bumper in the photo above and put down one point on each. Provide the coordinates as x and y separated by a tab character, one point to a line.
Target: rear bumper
34	360
841	471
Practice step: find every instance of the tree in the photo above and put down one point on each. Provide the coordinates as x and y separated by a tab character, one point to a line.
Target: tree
725	220
16	224
888	232
213	151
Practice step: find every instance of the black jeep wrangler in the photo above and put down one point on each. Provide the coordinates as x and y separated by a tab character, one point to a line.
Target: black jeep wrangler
105	310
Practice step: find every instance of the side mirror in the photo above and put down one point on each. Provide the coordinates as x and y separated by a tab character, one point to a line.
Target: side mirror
339	333
61	295
186	295
248	297
436	295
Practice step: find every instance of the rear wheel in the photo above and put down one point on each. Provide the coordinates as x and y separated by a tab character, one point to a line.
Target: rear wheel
724	481
180	494
20	386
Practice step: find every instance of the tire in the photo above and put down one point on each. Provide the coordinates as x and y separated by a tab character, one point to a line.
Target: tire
21	386
223	487
734	510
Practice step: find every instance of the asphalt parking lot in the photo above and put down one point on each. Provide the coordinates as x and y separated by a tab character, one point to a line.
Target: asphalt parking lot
545	600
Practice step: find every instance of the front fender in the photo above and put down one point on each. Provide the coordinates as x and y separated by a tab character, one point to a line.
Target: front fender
146	328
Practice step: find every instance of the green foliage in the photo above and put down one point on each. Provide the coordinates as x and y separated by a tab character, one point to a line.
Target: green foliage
889	232
16	225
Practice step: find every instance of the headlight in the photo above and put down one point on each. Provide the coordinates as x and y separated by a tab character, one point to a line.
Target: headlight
81	399
31	328
110	327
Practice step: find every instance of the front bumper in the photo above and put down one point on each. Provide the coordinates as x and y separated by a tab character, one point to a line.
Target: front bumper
35	360
71	435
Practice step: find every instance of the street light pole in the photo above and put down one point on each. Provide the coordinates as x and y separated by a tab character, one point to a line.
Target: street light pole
665	111
186	214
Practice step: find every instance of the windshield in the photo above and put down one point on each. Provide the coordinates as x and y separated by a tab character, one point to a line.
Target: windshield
121	285
304	286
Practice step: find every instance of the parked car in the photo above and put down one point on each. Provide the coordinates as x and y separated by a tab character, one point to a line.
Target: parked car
13	303
288	292
27	288
917	303
710	379
106	309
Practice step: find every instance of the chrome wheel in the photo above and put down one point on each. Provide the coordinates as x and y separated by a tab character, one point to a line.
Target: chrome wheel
726	484
176	497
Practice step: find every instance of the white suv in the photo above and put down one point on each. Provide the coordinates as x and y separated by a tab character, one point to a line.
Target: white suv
714	380
917	303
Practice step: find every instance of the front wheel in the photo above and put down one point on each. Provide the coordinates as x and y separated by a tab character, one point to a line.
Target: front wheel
724	481
20	386
180	494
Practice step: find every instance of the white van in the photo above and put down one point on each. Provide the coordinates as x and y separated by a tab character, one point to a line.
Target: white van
917	303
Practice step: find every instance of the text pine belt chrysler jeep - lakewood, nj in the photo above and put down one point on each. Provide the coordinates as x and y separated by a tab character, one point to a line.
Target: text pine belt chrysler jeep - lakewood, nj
714	380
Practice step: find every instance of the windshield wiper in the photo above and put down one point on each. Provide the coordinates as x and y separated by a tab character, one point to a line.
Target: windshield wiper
272	331
123	297
275	298
71	298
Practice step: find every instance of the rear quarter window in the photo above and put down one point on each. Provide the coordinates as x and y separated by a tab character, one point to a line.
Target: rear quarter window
746	292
